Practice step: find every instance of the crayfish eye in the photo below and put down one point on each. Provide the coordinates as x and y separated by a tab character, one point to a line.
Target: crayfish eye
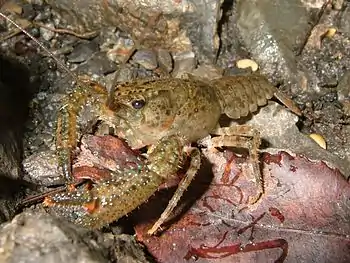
138	104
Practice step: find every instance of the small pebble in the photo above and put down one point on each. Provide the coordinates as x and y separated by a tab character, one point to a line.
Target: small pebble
83	51
319	140
120	51
47	34
184	63
97	65
35	32
124	74
337	4
165	60
246	63
146	58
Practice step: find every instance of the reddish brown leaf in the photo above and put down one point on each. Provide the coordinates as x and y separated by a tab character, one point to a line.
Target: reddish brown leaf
302	217
101	154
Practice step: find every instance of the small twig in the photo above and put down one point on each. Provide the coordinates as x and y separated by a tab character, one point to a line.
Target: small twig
87	35
24	23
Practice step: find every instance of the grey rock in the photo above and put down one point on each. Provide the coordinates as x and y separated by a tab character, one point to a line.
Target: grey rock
46	33
278	127
11	192
125	249
42	126
42	168
9	160
146	58
265	29
36	2
344	24
343	90
83	51
125	74
118	48
186	25
98	64
35	236
165	60
202	29
184	63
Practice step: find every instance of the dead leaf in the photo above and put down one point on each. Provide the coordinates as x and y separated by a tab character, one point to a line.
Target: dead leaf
302	217
101	154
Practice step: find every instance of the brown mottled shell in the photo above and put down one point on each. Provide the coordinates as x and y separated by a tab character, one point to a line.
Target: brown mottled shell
241	95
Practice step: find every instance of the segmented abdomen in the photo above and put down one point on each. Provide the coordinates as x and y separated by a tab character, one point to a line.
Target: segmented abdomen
241	95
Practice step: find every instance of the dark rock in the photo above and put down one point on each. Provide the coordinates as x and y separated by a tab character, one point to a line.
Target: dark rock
98	64
14	99
83	51
329	59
